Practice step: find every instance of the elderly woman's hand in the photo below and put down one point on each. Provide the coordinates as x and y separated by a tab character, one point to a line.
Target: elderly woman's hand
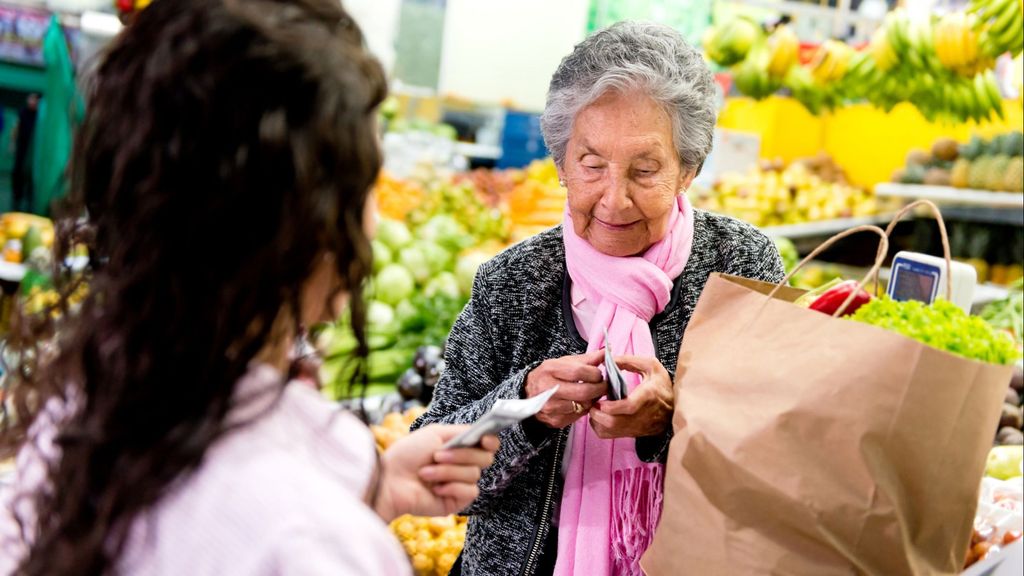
579	381
647	411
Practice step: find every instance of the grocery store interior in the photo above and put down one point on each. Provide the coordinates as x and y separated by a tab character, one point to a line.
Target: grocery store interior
831	115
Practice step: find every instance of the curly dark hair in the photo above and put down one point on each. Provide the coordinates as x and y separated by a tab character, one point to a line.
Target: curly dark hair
228	147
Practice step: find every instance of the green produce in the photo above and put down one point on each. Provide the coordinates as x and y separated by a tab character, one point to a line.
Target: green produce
787	251
393	234
1013	180
444	284
1004	462
379	314
1008	314
382	255
393	284
996	172
32	240
974	148
943	325
465	270
729	43
414	260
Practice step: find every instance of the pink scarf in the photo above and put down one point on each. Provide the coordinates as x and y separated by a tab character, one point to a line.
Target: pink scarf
612	500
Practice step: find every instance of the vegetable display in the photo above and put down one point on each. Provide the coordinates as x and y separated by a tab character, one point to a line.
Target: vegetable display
1008	314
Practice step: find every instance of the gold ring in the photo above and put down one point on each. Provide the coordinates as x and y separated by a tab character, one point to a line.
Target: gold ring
576	407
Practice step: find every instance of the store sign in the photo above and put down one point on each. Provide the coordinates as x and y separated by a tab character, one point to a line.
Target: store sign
21	35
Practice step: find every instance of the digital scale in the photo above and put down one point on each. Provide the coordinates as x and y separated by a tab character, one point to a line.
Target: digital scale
922	277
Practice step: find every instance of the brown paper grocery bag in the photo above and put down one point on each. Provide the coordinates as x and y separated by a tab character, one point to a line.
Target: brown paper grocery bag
812	445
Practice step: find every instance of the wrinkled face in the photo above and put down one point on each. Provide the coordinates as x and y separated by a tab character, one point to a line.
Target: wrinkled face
622	173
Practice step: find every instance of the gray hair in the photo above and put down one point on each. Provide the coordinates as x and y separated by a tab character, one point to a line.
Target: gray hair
626	56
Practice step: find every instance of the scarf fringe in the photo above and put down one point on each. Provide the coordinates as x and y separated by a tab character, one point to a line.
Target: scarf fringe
636	508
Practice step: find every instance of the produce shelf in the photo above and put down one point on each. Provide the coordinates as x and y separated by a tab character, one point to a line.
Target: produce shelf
484	151
823	227
983	215
11	272
949	195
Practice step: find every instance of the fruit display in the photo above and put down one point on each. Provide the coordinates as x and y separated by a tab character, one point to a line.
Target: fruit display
942	65
24	236
492	186
537	201
769	196
433	544
995	164
730	43
397	197
1000	25
394	426
462	203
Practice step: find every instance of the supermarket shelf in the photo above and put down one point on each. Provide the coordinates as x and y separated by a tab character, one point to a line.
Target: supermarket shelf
984	215
948	195
842	13
985	293
823	227
470	150
11	272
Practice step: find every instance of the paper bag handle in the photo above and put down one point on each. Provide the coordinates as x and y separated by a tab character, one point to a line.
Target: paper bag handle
942	233
883	250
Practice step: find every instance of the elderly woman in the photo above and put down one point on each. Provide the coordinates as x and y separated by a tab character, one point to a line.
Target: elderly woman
577	489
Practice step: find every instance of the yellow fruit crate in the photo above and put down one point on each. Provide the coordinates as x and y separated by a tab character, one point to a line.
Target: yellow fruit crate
867	142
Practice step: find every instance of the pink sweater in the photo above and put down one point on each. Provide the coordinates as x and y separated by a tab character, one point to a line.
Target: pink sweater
282	495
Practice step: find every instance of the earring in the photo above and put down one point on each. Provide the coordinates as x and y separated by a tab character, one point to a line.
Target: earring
561	183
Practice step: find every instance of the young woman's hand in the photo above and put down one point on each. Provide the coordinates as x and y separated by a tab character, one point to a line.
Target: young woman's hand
419	477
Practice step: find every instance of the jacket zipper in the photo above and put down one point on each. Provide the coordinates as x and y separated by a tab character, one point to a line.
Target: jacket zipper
545	516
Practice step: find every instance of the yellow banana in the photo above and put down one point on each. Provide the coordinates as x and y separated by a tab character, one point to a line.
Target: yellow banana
784	48
880	50
841	54
822	67
946	47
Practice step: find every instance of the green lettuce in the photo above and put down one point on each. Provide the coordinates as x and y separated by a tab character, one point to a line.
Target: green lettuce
942	325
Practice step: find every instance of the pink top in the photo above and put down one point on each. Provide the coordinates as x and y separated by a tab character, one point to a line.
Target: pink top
282	495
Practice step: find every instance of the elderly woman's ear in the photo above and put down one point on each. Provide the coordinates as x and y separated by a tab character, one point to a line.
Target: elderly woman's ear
686	179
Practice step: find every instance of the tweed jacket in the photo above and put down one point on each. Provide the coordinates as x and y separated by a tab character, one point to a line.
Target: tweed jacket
518	316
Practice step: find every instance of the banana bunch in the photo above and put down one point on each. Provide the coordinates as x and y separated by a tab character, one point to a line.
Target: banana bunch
905	42
959	99
976	99
957	44
783	47
1000	25
881	51
751	75
831	62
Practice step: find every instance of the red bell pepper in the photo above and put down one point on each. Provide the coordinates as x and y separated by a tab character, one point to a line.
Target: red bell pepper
831	300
